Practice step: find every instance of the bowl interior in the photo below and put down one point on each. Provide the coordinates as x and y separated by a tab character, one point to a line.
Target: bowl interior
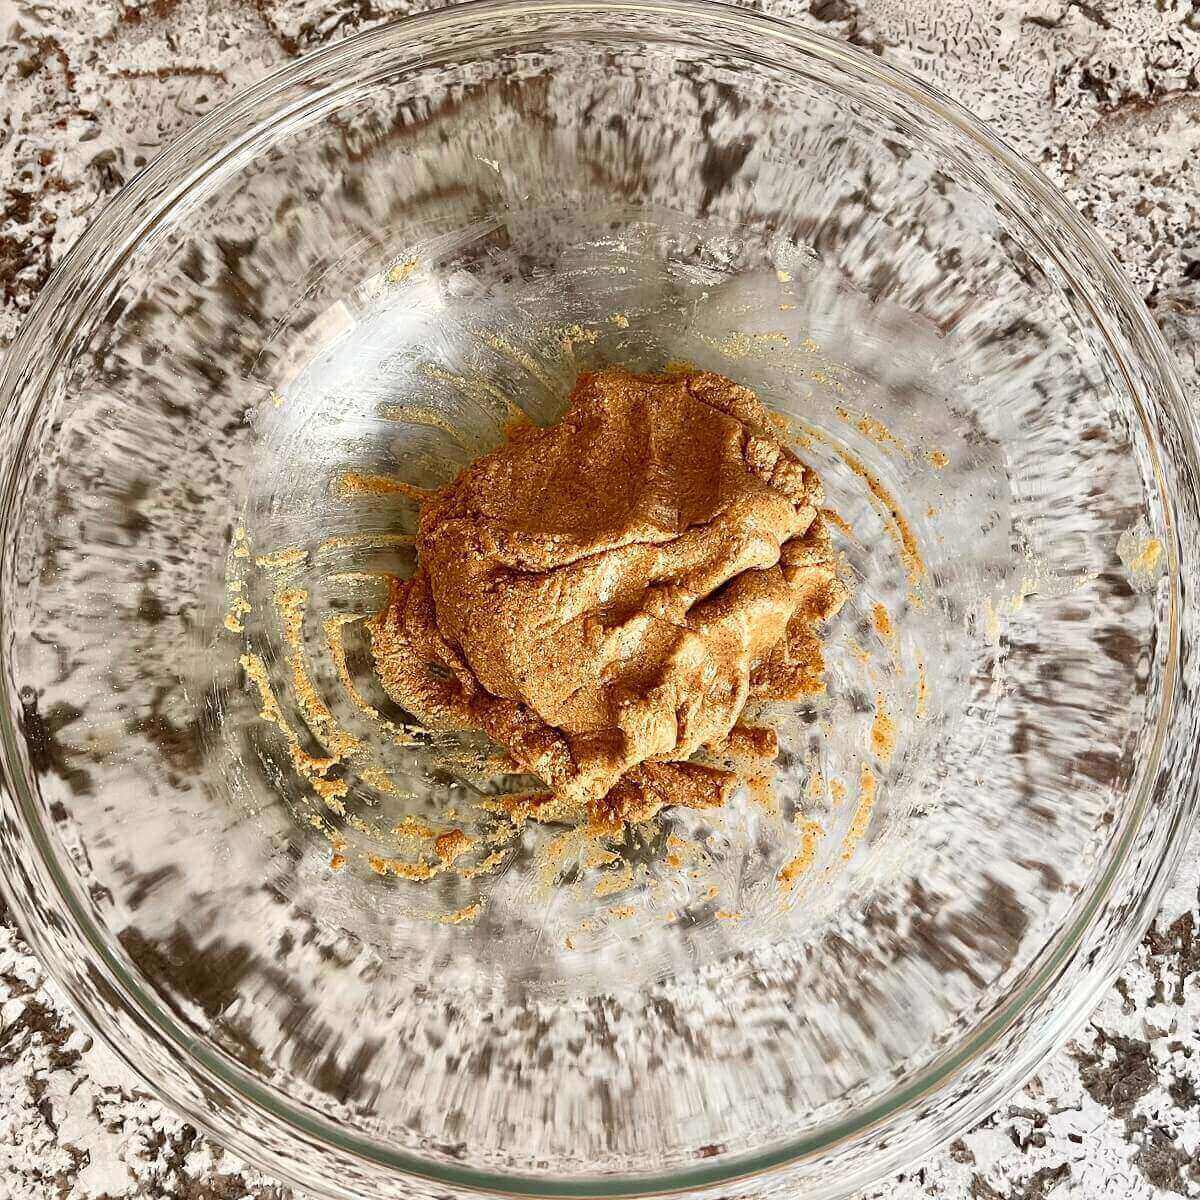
364	288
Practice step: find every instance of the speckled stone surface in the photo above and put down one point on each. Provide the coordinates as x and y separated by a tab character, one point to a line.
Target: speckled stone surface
1104	96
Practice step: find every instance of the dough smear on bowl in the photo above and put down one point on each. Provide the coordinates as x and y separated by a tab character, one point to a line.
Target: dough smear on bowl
604	596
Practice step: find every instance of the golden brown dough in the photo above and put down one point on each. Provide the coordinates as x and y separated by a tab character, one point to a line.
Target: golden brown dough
604	595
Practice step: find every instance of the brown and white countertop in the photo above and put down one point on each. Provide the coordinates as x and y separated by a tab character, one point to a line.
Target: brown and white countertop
1103	95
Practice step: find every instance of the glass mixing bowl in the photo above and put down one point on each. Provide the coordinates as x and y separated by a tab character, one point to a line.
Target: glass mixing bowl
346	282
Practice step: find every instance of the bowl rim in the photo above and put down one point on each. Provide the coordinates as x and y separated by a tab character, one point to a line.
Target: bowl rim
149	1034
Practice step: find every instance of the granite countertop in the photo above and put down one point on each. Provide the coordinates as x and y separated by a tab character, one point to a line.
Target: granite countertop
1103	95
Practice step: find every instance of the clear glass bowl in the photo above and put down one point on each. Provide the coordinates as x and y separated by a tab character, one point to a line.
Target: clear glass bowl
361	265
